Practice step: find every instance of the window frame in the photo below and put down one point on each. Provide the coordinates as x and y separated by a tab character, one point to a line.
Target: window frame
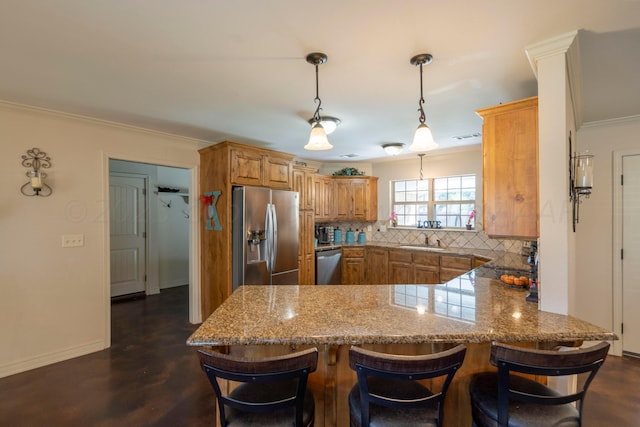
412	196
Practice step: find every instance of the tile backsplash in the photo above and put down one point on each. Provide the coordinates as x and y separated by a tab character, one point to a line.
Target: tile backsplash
448	237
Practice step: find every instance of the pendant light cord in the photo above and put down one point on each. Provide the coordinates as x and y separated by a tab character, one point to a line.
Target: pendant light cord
421	101
316	115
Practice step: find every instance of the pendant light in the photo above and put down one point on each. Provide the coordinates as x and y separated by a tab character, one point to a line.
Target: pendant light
318	138
422	139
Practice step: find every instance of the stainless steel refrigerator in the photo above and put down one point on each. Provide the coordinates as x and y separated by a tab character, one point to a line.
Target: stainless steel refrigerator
265	236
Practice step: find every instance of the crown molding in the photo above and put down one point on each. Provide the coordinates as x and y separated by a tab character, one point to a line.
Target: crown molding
566	44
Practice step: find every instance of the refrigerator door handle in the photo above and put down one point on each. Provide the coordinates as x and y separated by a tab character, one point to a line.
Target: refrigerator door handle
268	237
274	242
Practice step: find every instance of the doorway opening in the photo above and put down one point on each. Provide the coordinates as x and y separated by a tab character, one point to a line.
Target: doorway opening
152	232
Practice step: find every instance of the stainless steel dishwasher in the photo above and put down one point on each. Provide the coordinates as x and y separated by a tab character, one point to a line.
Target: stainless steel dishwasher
328	271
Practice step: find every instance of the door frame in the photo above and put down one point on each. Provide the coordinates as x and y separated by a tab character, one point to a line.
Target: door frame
145	178
195	309
617	247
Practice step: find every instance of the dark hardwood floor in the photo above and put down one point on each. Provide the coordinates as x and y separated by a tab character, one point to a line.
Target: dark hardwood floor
149	377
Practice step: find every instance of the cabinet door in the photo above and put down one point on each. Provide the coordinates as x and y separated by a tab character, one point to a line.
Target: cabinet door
426	274
306	248
400	273
246	167
278	172
359	199
353	271
377	261
327	196
510	169
303	183
342	197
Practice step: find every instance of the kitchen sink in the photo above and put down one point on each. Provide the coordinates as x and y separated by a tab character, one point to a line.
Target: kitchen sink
423	248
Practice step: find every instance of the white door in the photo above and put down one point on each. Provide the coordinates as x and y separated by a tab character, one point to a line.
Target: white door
631	251
128	225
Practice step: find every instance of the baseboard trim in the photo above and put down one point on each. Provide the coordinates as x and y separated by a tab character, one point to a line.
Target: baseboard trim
50	358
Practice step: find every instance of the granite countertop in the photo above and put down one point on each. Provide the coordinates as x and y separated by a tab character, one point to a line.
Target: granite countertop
472	308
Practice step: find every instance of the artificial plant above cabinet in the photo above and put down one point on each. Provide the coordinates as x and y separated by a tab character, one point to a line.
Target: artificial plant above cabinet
510	169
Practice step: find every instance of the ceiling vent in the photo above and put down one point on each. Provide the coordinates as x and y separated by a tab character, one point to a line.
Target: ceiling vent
471	135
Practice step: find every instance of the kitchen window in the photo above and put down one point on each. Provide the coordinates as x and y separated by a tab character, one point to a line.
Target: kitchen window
449	199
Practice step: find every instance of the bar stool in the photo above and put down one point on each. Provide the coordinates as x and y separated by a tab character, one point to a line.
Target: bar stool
502	399
388	393
273	390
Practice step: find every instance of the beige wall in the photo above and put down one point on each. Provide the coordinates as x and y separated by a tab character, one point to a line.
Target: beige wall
594	292
54	300
434	165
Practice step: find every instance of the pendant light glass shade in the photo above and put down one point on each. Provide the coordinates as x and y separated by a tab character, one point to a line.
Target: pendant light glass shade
423	139
318	139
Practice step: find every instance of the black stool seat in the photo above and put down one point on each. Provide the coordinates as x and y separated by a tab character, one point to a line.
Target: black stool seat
508	399
272	391
484	398
388	392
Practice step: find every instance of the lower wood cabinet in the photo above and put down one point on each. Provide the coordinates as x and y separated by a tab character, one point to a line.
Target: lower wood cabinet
353	266
400	267
377	260
376	266
453	266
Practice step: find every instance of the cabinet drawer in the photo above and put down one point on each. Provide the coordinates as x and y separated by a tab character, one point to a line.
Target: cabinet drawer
426	259
353	252
401	256
457	262
447	274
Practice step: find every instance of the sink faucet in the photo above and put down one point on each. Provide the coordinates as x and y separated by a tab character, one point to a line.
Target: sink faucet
426	239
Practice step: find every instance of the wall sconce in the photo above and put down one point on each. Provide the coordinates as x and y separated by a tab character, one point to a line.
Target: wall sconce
36	160
580	179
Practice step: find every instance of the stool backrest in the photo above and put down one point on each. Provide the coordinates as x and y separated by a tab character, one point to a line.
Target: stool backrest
548	363
272	369
368	363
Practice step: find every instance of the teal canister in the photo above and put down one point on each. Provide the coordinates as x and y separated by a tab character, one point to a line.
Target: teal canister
350	237
337	236
362	237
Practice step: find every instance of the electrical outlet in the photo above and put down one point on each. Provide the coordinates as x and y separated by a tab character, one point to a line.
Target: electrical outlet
72	240
369	228
383	228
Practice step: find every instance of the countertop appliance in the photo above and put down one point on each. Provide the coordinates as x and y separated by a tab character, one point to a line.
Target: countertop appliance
265	236
328	270
322	234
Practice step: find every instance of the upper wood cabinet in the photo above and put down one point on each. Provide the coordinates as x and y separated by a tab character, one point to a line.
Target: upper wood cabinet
323	197
510	169
355	198
303	182
262	168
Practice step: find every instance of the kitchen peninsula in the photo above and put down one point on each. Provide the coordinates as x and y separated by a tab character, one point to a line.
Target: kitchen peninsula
473	308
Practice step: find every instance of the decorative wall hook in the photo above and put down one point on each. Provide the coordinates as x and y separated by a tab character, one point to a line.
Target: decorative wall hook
36	160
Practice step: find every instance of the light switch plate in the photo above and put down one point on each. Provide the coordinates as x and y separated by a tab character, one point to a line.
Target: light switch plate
72	240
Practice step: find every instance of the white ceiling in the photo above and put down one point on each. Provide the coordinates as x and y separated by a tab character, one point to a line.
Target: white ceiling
221	69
